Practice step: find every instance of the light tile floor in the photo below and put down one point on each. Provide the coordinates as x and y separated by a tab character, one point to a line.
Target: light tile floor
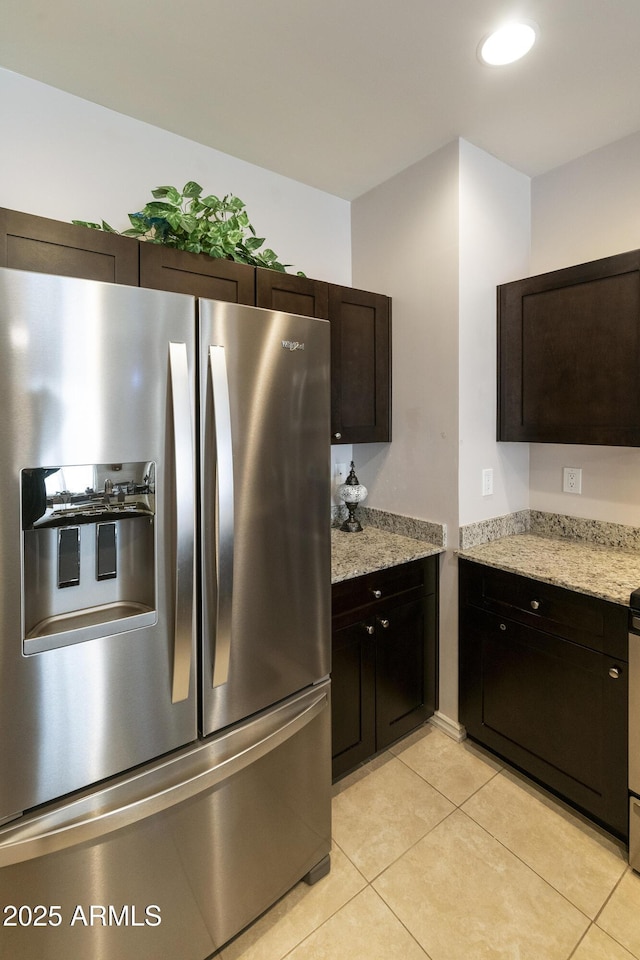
442	853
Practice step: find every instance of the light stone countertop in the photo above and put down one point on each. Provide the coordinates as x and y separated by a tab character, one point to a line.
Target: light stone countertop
601	571
354	554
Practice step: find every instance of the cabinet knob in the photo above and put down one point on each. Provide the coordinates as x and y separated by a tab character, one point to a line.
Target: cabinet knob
503	626
370	629
383	623
614	673
377	594
535	604
337	436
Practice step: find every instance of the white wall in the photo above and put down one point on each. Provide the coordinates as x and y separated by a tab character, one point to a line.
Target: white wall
454	225
413	257
67	158
582	211
495	229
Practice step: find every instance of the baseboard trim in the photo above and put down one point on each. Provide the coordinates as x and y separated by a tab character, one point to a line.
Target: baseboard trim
451	727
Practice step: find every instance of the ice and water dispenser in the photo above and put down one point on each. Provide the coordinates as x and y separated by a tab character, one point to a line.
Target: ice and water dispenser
88	552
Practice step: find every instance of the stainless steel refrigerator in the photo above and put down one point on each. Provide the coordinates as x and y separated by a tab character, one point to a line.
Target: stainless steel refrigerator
164	617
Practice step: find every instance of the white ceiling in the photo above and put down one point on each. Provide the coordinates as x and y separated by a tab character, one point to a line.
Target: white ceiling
342	94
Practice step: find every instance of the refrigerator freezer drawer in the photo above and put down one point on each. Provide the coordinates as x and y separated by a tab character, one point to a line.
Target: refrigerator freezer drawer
634	833
176	859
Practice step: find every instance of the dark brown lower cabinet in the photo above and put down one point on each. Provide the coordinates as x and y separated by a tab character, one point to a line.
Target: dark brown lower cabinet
384	659
543	683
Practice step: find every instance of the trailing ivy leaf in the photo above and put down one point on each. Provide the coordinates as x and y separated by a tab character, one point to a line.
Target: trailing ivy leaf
158	206
170	192
191	189
234	203
213	203
188	222
107	228
87	223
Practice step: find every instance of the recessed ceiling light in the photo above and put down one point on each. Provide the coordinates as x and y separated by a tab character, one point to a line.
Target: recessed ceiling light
508	44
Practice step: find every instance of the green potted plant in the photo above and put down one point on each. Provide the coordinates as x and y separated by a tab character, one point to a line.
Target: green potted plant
186	220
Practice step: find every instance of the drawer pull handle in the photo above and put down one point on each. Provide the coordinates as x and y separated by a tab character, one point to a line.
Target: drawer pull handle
383	623
503	626
369	629
535	604
614	673
377	594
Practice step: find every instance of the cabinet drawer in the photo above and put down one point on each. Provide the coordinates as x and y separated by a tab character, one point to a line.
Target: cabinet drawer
588	621
417	576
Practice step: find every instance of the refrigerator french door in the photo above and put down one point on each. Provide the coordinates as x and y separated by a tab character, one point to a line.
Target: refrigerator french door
164	736
97	659
264	381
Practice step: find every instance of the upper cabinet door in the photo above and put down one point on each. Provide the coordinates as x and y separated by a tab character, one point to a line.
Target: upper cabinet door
211	278
292	294
41	245
360	366
569	355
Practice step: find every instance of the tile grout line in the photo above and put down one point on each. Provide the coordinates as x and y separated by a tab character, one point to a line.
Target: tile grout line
459	806
599	914
389	754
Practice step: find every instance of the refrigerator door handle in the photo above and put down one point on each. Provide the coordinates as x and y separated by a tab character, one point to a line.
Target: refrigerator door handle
184	513
177	781
223	513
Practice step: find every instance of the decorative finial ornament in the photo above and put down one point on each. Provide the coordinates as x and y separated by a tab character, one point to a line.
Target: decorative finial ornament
352	492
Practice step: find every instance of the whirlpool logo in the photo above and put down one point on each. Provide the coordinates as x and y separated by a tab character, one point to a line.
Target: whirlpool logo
292	345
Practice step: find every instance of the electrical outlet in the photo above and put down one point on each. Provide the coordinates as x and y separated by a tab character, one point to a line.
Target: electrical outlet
572	480
487	482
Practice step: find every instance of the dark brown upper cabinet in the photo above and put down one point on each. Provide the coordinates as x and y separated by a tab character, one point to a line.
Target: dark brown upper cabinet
360	321
211	278
569	355
35	243
292	294
360	365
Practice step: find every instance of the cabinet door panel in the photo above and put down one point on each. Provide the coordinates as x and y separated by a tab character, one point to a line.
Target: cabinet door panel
292	294
569	349
35	243
550	707
163	268
360	366
405	676
352	697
